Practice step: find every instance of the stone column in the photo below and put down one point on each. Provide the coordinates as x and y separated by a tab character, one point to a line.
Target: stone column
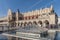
19	24
26	24
16	24
22	25
27	17
31	17
44	25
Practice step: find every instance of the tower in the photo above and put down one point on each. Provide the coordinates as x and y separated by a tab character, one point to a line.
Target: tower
9	17
51	8
17	16
9	14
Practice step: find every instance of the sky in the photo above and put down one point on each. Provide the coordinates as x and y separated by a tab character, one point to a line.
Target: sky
27	5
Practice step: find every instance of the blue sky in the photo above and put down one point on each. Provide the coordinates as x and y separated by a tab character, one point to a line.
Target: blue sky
27	5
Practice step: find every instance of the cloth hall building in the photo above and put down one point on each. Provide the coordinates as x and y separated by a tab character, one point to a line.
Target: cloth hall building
44	17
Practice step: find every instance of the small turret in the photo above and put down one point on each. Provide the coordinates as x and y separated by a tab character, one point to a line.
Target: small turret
51	7
17	14
9	15
9	12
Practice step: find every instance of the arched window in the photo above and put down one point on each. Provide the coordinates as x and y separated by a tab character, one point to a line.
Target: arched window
21	24
40	22
46	23
36	16
25	23
29	23
32	17
34	22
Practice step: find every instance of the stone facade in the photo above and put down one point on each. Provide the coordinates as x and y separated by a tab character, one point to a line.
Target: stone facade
43	17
